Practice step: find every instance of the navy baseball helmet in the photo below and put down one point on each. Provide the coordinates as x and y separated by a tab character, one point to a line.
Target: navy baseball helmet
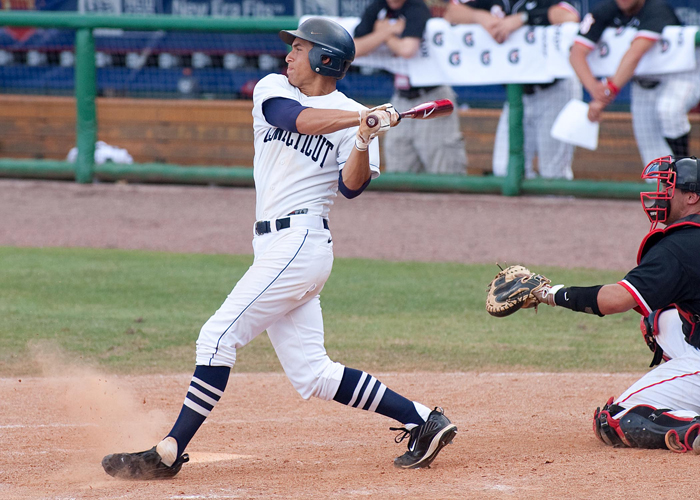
669	174
330	40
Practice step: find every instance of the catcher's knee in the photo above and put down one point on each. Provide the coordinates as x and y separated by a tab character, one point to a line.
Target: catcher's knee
644	427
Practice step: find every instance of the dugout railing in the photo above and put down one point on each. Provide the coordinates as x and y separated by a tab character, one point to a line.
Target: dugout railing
84	170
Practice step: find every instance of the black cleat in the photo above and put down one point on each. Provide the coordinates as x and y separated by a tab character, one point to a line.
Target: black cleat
143	465
425	441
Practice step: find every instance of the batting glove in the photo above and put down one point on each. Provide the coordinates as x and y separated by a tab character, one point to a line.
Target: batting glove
394	117
365	133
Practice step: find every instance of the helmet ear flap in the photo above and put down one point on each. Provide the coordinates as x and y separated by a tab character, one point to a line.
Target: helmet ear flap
325	63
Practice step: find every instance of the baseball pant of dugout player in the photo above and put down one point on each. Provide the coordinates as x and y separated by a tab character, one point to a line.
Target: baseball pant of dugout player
662	409
310	142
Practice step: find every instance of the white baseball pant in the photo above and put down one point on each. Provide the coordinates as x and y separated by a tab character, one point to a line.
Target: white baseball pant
674	384
280	293
662	112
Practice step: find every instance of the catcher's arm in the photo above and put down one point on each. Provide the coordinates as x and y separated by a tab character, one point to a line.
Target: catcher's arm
516	287
600	300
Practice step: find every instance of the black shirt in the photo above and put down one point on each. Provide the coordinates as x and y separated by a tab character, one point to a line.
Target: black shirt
415	12
669	272
536	9
652	18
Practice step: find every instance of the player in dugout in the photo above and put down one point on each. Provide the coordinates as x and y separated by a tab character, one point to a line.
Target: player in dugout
660	103
311	141
542	102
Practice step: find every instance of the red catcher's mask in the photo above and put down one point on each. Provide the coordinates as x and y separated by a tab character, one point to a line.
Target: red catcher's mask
656	203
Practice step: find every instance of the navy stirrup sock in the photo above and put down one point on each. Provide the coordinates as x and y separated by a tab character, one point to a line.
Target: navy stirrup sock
361	390
206	388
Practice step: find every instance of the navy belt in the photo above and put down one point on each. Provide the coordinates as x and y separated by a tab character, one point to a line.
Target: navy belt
264	226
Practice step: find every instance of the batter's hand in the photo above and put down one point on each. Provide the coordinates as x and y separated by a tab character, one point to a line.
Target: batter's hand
394	117
365	133
387	117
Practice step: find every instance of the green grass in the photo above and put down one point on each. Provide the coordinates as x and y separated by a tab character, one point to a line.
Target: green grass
140	312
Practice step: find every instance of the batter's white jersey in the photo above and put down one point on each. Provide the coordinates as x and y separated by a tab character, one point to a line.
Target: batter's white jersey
296	171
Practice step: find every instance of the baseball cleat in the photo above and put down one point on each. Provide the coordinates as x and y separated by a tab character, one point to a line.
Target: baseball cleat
142	465
425	441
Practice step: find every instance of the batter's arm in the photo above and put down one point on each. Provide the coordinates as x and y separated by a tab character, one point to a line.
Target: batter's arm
314	121
356	171
614	298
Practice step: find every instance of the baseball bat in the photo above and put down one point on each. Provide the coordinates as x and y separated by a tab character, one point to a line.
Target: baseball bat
425	111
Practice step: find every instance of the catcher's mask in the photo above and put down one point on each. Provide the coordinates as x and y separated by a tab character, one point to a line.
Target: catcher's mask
668	173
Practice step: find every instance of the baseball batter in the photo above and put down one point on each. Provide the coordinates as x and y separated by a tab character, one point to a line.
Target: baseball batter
660	103
662	409
310	142
541	102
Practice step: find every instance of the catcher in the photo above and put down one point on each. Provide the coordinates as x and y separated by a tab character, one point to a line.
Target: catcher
662	409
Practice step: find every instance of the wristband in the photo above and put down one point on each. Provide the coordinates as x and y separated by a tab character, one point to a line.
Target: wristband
611	88
360	145
581	299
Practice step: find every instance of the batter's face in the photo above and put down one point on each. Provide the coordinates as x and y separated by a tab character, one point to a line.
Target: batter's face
299	70
630	6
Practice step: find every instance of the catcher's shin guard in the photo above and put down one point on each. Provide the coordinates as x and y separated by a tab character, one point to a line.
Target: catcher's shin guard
645	427
606	428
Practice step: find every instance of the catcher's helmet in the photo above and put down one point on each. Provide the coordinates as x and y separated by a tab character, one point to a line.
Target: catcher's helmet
669	174
331	40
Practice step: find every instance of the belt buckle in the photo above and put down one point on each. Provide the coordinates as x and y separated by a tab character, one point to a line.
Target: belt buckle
262	227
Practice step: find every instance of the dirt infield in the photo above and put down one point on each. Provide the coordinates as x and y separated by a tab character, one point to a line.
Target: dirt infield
521	435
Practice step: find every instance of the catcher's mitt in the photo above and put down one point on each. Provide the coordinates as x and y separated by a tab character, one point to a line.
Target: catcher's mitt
512	289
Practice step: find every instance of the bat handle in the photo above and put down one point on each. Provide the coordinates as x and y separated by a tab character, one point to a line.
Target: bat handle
371	121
